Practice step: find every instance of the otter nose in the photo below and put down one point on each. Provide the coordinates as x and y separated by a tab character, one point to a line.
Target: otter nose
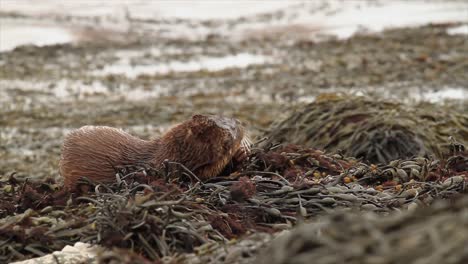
232	123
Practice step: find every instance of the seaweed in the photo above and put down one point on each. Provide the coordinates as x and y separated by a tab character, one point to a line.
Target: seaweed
168	213
377	131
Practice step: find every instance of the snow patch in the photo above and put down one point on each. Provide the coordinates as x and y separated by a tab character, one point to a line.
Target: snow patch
391	14
460	30
298	19
195	10
13	35
448	93
241	60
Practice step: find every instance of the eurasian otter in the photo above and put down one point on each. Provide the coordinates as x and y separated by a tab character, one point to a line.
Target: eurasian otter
205	144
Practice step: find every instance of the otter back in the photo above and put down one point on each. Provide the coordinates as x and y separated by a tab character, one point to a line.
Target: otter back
95	151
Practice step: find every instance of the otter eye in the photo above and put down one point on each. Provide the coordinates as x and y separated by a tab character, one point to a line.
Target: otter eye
227	145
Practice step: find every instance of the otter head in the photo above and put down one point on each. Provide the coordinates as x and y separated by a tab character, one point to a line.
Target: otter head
205	144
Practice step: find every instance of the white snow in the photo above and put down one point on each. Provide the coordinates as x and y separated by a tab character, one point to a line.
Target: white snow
413	94
60	89
459	30
312	18
15	34
188	9
447	93
393	14
241	60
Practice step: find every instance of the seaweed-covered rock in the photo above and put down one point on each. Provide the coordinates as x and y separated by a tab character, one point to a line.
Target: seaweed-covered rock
377	131
436	234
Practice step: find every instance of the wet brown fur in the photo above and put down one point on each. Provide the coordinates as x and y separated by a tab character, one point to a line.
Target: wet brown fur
200	144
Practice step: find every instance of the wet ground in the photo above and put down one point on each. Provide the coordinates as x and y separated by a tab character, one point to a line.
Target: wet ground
145	81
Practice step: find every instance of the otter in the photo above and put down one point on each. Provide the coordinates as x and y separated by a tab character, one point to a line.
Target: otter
204	144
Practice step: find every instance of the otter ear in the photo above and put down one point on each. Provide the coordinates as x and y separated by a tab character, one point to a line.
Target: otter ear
204	120
198	117
201	124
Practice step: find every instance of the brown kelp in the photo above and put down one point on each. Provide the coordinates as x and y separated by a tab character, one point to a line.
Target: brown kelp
375	130
168	213
436	234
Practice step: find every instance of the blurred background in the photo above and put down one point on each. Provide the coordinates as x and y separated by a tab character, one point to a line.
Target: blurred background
146	65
